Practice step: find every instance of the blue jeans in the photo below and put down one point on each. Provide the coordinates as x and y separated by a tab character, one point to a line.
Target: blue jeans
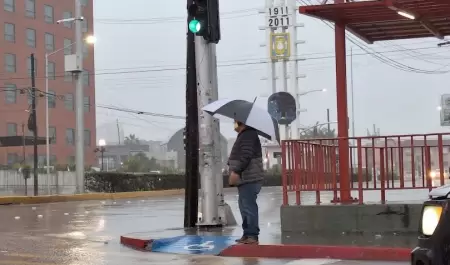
248	193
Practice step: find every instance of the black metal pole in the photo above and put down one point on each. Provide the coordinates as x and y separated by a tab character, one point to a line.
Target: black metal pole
35	127
24	160
328	122
102	151
192	145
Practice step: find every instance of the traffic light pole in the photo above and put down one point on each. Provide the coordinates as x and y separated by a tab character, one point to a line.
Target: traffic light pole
203	21
191	130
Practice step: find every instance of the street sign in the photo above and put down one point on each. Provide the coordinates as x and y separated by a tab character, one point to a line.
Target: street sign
282	107
201	245
445	110
280	46
278	17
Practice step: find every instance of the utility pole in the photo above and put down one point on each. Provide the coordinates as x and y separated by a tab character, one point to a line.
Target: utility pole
23	144
34	125
328	122
24	161
118	131
203	54
191	133
79	100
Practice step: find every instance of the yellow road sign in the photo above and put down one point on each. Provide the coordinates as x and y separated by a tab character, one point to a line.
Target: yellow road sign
280	46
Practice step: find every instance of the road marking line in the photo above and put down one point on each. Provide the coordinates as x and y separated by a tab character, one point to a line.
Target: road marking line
313	261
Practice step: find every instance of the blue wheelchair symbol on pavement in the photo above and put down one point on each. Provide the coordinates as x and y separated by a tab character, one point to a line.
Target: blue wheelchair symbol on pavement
202	245
208	245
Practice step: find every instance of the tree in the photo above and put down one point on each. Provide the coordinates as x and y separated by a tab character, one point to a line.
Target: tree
141	163
318	132
131	139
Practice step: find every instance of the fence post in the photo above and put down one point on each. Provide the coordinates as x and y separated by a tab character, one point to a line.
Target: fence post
382	176
284	181
360	172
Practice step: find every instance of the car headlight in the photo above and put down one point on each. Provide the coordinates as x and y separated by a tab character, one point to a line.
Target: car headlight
430	218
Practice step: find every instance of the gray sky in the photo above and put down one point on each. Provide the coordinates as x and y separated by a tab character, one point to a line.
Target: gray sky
133	36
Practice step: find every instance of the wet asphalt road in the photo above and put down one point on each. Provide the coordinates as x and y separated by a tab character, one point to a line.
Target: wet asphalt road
82	233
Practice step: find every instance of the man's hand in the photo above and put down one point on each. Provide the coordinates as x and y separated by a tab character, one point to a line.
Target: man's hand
233	179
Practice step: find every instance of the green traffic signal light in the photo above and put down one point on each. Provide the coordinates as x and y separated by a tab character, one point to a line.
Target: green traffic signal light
195	26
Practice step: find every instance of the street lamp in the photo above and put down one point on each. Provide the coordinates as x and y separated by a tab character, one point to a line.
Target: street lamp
89	40
300	110
101	149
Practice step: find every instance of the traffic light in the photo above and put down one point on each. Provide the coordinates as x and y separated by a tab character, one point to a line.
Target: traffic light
204	19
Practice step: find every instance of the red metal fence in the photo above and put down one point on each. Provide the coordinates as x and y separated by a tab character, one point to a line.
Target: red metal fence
379	163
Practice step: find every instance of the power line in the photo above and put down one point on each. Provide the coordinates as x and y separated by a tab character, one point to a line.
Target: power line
261	61
224	15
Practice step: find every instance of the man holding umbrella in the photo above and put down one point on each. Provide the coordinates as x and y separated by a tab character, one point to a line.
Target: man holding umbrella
246	172
245	161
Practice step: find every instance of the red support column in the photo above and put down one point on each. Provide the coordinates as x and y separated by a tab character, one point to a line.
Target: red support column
342	113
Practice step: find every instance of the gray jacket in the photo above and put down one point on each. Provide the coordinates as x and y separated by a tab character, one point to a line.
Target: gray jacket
246	157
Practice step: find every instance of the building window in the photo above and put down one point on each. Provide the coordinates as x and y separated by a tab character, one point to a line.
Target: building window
13	159
10	32
67	15
70	136
51	70
31	38
29	66
30	8
48	14
68	101
68	46
71	160
68	77
53	160
9	5
12	129
49	42
84	2
86	50
87	105
84	25
86	77
10	63
11	94
52	134
30	97
51	99
87	138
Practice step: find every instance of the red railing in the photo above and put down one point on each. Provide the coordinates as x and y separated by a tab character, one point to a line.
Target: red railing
379	163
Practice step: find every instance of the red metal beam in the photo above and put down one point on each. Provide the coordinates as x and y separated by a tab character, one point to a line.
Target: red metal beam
340	6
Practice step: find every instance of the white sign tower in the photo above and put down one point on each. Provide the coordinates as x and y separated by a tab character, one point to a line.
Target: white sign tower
281	41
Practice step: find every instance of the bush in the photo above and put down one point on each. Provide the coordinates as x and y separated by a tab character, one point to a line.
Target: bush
365	176
126	182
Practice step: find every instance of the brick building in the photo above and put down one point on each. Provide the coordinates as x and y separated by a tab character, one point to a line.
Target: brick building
29	26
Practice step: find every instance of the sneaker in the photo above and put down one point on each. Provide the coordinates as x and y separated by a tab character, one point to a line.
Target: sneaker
240	240
250	241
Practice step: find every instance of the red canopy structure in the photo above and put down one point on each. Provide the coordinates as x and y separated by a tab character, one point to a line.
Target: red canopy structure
374	21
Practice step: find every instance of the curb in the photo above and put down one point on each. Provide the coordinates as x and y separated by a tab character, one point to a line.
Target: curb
296	251
86	197
135	243
318	252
